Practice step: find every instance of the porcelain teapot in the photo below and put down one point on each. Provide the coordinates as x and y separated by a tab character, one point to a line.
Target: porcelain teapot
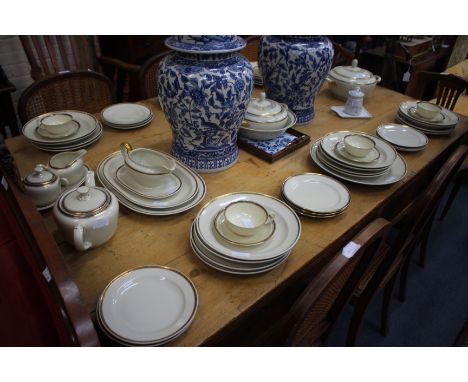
87	216
43	186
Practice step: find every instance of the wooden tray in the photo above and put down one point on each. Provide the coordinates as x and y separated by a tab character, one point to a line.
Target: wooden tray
299	140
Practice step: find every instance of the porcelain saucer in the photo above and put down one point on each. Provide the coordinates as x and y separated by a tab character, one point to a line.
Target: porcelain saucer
340	111
373	155
264	233
167	187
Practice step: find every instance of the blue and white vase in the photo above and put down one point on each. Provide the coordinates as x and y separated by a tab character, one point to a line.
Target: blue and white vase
204	89
293	70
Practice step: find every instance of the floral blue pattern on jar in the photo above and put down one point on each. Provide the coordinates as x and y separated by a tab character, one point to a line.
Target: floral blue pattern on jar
204	97
293	69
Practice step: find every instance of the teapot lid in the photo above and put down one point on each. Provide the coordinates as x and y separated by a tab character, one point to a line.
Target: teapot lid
205	44
40	177
85	201
265	110
352	73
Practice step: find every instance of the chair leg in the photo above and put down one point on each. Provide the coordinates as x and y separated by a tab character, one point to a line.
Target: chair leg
387	298
423	242
355	324
456	186
404	278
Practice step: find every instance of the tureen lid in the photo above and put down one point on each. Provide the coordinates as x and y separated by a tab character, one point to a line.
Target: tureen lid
265	110
205	44
40	177
85	201
353	74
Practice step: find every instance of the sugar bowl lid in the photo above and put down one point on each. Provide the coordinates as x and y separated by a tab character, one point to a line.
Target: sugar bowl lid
205	44
265	110
353	74
40	177
85	201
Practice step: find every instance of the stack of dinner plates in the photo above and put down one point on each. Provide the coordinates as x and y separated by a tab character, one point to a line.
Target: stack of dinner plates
179	191
82	130
442	124
382	166
126	116
315	195
219	247
402	137
258	80
147	306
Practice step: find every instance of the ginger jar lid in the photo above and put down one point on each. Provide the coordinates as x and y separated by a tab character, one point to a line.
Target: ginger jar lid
353	74
265	110
205	44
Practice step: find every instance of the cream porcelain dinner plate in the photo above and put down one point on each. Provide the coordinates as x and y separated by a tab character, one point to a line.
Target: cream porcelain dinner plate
402	136
187	190
387	152
316	193
70	147
373	155
450	118
126	113
396	172
286	235
264	233
426	130
168	185
88	124
148	304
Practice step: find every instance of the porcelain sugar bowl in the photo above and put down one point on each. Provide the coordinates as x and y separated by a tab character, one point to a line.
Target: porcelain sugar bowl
43	186
87	216
342	79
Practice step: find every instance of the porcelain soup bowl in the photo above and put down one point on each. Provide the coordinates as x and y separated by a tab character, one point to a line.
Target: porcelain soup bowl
87	216
68	165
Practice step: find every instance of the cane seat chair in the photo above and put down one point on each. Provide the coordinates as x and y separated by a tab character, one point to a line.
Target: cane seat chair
40	305
85	91
413	228
313	313
148	76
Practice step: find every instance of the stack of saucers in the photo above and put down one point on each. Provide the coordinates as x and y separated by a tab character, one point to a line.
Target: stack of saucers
175	192
63	130
147	306
126	116
402	137
442	122
267	243
315	195
380	166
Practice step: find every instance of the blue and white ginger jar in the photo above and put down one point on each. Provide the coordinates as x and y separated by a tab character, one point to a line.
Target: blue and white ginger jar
293	69
204	89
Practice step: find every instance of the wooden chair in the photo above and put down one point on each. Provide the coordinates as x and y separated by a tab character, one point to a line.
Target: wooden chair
341	56
86	91
148	76
40	305
312	315
448	88
413	228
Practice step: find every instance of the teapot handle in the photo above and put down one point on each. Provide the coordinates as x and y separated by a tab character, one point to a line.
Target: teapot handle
78	239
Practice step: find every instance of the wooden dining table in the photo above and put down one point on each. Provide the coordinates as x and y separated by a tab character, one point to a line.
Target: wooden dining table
229	303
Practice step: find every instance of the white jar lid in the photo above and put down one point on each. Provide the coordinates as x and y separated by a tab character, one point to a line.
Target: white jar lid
85	201
40	177
353	74
265	110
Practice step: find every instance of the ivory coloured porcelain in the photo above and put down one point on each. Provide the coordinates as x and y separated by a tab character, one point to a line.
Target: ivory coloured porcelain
42	185
57	124
342	79
68	165
87	216
265	114
428	110
358	145
246	218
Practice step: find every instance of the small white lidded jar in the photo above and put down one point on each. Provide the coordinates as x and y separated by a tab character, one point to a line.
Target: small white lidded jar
43	186
354	102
